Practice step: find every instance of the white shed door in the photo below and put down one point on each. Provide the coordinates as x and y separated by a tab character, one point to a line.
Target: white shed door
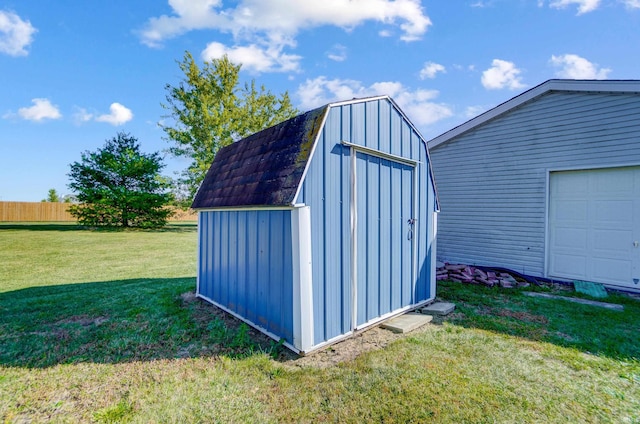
594	226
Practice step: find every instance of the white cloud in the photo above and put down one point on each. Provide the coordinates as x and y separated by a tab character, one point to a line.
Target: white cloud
263	29
15	34
81	115
118	115
632	4
337	53
482	4
255	58
419	105
473	111
287	17
502	74
42	109
431	69
576	67
584	6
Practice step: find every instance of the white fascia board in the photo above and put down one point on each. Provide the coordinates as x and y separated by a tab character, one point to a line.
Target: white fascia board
311	154
594	86
358	100
245	209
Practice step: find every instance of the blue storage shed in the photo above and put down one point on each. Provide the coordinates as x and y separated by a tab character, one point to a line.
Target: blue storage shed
320	226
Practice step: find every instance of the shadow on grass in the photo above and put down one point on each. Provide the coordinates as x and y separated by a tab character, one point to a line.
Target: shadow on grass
589	329
172	227
119	321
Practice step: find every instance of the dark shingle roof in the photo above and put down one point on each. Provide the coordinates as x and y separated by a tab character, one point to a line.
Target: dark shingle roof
263	169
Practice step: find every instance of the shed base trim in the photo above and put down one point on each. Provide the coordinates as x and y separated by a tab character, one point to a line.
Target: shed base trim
326	343
251	323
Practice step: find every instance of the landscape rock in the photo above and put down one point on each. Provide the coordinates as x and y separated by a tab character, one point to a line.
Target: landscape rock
468	274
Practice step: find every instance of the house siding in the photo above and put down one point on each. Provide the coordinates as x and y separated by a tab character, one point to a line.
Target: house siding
246	266
492	180
327	190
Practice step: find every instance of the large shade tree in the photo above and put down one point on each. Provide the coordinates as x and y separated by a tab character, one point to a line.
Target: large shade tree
209	109
118	185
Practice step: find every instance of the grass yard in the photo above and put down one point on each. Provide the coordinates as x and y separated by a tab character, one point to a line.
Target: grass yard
102	326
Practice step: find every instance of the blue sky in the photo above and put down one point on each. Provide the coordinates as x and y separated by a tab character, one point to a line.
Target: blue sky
74	73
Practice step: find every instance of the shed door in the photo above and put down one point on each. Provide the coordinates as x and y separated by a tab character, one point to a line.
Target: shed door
594	226
384	231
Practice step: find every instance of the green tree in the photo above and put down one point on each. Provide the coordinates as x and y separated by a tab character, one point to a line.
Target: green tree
209	110
120	186
52	196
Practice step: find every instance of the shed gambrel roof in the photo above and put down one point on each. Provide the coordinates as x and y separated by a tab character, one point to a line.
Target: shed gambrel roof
553	85
267	168
264	169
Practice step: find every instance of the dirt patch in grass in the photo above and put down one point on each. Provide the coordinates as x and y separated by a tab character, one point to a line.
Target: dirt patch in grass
349	349
521	316
83	320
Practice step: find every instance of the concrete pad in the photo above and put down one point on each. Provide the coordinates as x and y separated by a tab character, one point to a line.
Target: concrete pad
612	306
407	322
439	308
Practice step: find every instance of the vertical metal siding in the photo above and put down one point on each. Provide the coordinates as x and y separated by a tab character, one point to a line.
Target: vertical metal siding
245	266
326	190
492	180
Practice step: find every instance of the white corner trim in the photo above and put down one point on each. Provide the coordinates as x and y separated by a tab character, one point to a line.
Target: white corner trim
353	215
303	333
434	254
547	205
199	247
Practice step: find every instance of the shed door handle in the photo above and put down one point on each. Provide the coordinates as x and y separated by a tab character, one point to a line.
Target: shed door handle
411	222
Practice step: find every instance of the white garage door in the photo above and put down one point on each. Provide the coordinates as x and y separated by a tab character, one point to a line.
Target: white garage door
594	226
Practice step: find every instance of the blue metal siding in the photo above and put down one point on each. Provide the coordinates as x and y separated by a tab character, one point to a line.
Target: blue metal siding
245	266
326	189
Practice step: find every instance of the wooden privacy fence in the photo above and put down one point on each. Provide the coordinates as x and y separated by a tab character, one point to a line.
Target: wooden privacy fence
53	211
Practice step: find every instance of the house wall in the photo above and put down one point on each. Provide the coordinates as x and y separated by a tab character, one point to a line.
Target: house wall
245	266
327	190
492	180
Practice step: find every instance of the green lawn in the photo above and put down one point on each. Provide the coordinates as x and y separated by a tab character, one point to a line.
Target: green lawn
102	326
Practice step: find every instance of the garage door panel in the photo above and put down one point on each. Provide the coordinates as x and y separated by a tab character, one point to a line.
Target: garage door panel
573	238
565	265
613	211
609	183
611	243
571	210
572	186
611	270
594	220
